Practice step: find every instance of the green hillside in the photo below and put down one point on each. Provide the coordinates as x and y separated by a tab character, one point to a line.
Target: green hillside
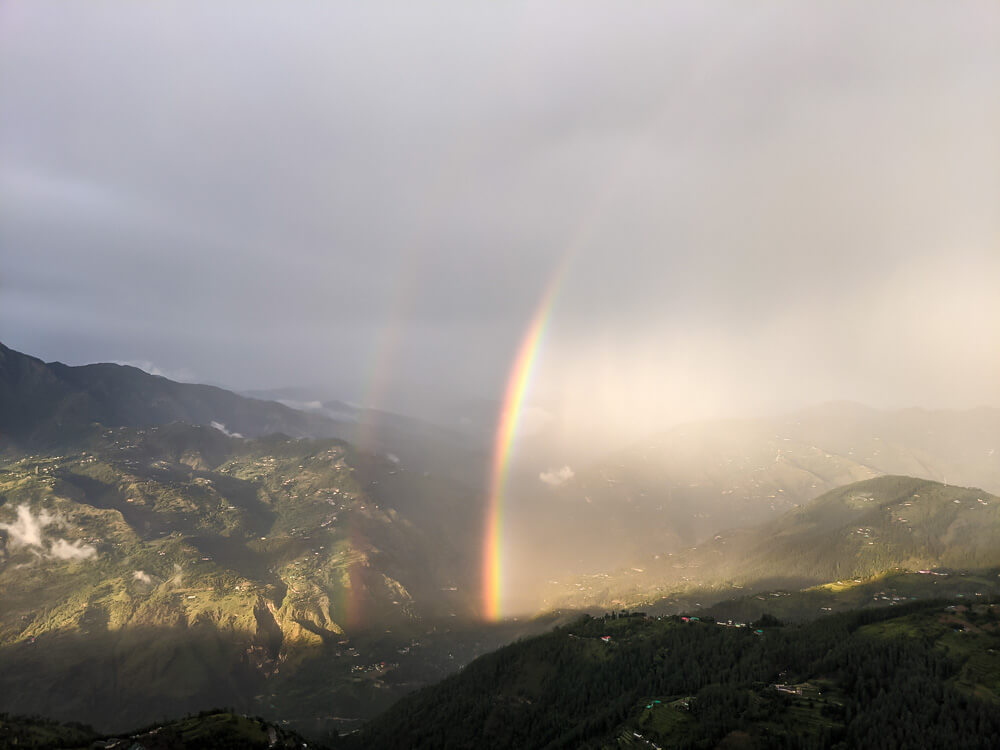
924	675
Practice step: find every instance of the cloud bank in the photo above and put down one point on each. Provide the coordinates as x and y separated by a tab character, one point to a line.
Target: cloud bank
763	207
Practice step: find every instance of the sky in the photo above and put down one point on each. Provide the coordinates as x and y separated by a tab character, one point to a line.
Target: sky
751	206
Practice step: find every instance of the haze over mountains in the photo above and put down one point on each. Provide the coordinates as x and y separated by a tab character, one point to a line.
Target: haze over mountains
848	535
52	401
508	375
167	546
665	493
678	488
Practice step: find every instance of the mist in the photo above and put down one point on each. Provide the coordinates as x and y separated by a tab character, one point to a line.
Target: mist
654	344
755	209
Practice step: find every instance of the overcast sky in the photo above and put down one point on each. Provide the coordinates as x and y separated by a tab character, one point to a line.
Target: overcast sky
767	203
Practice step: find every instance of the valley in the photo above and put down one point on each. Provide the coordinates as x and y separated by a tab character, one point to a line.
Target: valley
175	567
158	567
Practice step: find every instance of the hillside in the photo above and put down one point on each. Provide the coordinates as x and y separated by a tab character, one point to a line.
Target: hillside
162	563
150	572
855	532
920	675
675	489
924	675
44	405
48	402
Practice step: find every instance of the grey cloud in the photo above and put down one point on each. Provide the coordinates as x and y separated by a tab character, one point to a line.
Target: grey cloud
754	197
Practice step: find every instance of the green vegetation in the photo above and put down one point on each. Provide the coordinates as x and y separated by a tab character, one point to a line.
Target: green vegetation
151	572
910	676
924	674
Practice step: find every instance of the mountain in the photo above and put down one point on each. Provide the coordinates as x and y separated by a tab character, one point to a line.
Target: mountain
859	531
154	562
153	571
920	675
923	675
673	490
48	402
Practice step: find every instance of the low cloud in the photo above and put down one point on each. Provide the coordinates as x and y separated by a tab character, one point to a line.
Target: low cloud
28	531
556	477
61	549
142	576
222	428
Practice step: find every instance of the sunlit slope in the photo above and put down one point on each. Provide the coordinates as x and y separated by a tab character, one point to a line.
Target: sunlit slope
177	567
864	529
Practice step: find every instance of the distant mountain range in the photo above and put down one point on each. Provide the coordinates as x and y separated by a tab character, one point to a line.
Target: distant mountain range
673	490
859	531
46	404
49	402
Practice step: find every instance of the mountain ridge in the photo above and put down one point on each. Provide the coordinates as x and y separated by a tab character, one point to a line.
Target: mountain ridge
860	530
44	401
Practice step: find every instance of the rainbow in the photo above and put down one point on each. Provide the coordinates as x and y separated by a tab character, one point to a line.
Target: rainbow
507	424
